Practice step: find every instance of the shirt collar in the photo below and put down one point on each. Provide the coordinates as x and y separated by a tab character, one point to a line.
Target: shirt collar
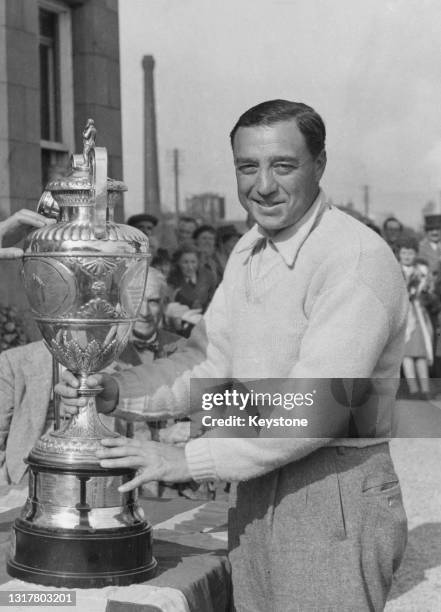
288	241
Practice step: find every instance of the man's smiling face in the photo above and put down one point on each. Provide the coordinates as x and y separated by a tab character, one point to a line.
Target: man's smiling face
277	177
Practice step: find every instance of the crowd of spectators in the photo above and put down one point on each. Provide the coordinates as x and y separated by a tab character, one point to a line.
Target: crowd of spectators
192	261
420	261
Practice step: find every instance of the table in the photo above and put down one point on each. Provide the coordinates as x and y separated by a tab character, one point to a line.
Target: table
189	545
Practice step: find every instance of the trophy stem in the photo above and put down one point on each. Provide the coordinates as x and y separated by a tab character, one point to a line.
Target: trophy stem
86	424
78	441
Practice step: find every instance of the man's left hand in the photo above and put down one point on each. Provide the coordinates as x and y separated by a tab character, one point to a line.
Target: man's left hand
152	460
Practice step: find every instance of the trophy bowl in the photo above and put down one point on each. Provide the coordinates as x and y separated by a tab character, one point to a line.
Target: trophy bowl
85	295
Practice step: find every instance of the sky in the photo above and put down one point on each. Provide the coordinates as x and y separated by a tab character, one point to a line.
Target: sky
370	67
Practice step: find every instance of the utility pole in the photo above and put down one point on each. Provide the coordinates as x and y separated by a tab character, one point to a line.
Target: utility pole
176	179
366	201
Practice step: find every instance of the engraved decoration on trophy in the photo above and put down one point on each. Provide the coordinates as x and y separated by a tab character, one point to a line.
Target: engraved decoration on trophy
84	277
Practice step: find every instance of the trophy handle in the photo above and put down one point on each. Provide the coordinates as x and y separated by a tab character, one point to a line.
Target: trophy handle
99	173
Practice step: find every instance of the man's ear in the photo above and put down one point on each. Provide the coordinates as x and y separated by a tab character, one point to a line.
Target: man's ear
320	164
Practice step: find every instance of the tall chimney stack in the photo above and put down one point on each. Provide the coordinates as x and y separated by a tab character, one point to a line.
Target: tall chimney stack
151	173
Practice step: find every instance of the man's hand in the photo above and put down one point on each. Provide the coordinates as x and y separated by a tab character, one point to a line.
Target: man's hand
14	228
67	388
152	460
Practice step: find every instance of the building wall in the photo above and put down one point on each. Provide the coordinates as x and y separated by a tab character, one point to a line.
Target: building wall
22	86
4	127
96	94
97	78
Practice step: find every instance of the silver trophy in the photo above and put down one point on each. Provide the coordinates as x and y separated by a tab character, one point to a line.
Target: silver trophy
85	277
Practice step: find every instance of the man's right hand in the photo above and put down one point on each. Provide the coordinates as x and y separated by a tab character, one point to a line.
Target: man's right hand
67	389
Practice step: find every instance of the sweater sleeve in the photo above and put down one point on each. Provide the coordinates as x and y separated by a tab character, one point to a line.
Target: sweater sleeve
163	387
347	331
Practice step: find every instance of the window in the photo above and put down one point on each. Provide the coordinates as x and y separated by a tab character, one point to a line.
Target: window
49	76
56	88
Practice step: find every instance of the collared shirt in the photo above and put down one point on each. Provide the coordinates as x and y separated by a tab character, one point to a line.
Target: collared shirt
265	250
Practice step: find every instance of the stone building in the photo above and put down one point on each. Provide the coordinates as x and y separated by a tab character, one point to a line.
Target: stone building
59	65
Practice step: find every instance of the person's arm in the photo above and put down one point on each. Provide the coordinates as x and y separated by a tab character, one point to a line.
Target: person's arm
14	228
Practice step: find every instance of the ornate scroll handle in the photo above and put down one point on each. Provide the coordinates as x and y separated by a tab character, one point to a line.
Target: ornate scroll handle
99	191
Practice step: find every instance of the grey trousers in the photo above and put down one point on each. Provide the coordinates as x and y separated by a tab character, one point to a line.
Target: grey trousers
323	533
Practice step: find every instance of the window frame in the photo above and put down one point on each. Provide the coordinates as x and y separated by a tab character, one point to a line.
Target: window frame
65	63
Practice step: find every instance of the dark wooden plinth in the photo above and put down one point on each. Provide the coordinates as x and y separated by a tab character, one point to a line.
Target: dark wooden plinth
76	559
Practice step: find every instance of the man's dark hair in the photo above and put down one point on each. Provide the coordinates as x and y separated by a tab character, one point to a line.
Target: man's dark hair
392	219
203	228
308	121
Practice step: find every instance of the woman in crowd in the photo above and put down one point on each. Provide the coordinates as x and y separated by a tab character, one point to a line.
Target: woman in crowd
191	284
418	352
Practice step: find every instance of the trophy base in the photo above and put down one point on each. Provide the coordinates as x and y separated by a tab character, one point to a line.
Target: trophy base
77	530
72	560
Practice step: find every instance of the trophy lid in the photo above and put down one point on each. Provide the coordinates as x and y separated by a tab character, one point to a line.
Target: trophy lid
82	174
76	180
86	184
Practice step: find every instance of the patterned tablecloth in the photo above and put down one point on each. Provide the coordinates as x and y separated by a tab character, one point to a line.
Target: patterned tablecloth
189	545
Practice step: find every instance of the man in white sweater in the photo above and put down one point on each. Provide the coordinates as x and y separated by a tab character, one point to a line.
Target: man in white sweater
308	293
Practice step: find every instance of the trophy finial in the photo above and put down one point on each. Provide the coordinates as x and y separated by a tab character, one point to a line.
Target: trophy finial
89	137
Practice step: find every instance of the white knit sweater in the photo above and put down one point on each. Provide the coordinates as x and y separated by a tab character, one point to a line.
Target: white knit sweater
331	303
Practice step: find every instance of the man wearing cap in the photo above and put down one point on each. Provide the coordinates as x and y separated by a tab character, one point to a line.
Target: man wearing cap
430	246
144	222
147	224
